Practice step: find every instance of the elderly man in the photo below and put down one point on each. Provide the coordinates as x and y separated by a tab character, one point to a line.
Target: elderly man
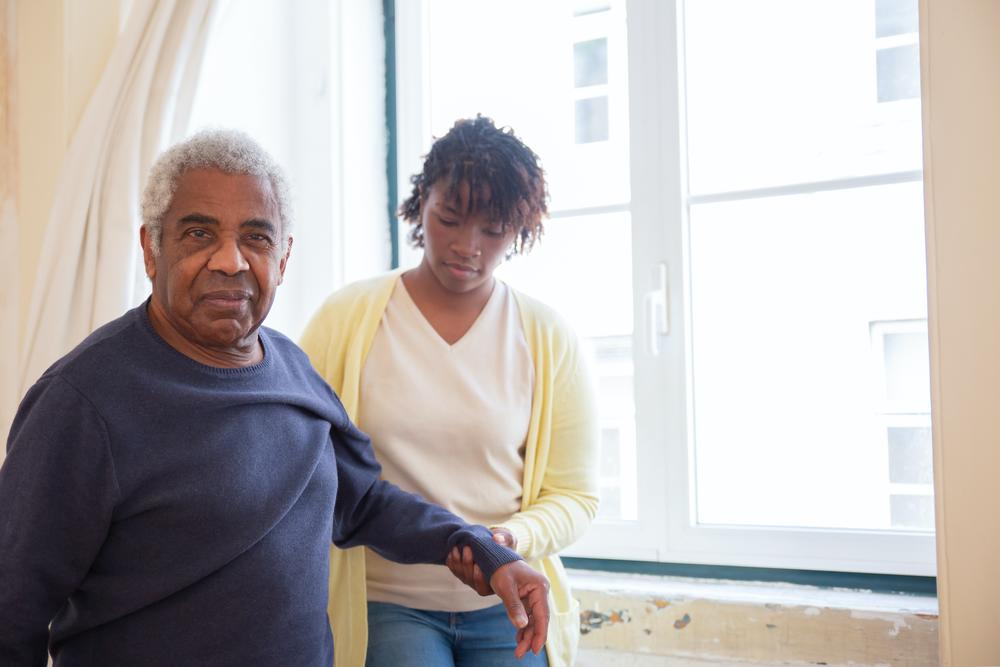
173	483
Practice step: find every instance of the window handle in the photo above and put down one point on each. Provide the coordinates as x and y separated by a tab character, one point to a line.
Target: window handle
656	301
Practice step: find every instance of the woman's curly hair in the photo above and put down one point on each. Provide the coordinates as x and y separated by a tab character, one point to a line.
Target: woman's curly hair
504	178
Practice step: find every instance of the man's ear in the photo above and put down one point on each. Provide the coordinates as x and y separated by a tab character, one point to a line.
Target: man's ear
148	258
284	260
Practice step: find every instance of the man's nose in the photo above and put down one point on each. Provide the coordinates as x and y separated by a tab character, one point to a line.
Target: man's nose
228	258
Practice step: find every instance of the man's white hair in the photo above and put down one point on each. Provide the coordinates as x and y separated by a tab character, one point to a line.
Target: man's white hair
230	151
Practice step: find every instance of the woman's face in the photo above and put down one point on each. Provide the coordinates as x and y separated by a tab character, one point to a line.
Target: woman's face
462	248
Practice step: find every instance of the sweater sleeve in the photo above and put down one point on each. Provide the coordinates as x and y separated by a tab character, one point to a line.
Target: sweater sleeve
57	493
400	526
568	497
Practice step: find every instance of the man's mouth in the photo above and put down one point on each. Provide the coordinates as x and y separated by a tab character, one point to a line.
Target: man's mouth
227	299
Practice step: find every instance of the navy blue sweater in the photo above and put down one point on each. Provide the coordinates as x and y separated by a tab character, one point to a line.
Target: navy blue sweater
158	511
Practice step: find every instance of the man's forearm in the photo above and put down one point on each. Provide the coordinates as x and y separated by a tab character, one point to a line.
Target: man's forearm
405	528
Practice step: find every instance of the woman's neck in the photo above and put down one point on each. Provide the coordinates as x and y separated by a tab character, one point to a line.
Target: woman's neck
450	313
426	289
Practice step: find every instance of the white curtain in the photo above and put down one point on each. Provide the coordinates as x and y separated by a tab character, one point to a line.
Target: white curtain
8	223
88	272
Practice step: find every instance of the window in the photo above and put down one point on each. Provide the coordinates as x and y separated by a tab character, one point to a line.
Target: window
897	55
903	374
737	233
590	69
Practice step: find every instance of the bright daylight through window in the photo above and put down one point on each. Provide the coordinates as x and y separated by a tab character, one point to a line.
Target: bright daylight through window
737	232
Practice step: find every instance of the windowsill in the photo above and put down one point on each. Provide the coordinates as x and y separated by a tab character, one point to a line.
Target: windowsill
753	592
753	622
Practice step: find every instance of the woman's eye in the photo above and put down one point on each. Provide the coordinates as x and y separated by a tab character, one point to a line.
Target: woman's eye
447	223
495	232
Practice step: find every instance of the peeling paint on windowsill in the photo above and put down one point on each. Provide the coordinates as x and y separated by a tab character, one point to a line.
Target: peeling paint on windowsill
709	622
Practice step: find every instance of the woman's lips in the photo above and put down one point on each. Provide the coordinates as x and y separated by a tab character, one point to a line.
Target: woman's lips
461	270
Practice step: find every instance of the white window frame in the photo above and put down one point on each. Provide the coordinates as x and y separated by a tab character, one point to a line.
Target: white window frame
666	529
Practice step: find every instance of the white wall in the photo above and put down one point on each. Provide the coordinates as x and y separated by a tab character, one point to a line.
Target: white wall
960	53
307	80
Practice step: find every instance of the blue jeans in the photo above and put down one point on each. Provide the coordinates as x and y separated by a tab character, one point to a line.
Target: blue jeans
403	637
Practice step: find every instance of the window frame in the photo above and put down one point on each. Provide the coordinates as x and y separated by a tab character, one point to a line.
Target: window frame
666	530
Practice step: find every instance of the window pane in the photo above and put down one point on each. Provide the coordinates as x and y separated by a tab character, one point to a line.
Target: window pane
895	17
907	371
912	512
533	88
560	271
898	73
910	455
592	120
788	403
590	62
582	7
784	91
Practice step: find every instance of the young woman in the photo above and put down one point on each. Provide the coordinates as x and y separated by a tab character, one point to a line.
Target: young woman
476	397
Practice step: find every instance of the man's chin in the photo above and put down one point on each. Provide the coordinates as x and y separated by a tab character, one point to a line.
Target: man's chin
228	333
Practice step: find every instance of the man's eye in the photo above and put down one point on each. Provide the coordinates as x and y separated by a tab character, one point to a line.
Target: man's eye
259	238
198	233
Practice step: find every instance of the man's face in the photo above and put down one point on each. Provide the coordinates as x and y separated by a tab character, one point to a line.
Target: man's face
221	259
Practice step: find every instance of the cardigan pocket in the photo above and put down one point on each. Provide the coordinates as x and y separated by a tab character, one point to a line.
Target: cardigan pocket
564	636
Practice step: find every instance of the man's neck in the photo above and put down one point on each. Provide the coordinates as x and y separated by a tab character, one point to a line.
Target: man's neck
239	354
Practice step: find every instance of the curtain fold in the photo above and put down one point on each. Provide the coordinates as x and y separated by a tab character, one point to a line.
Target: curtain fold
90	262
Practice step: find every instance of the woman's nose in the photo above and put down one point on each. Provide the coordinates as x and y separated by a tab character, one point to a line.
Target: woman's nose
466	242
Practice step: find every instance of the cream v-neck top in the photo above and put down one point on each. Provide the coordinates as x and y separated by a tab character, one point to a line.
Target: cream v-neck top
448	422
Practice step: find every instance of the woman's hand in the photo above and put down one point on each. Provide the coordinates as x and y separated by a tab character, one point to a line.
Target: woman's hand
462	565
504	537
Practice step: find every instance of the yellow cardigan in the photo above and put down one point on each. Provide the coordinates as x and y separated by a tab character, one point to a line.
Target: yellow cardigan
560	460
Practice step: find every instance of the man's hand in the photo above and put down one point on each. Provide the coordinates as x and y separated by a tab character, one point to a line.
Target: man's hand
524	593
462	565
